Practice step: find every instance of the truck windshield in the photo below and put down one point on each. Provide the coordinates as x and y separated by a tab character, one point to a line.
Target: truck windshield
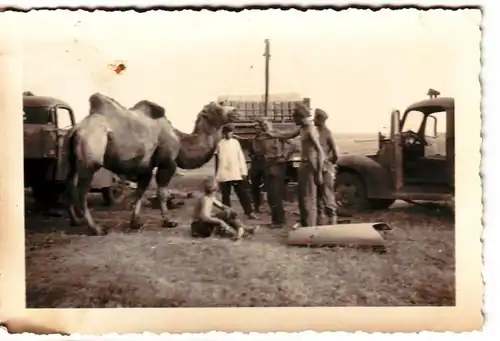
413	121
37	115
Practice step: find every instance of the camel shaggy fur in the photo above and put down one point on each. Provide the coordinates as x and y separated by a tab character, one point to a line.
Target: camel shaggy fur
131	142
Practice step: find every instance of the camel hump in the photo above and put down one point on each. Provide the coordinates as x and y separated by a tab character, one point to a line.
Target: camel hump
99	101
150	109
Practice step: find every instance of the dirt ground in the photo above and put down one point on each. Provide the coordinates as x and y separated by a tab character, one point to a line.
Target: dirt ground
167	268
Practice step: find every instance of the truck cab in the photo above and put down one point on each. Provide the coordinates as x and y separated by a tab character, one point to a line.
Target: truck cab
415	162
46	122
427	137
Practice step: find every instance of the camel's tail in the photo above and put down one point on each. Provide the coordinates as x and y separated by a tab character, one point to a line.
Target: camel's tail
68	164
72	150
72	153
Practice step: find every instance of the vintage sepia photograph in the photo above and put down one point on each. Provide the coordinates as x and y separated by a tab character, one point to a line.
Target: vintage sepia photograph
260	158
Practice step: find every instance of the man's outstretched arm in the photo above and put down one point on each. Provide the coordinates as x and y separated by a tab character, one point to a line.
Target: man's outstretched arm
283	135
241	138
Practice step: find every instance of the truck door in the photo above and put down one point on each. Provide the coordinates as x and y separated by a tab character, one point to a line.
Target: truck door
64	121
397	161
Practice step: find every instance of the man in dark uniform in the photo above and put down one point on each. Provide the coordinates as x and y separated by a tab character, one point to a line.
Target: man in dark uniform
257	164
276	154
326	197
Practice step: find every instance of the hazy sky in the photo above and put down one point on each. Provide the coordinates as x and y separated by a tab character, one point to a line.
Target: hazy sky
357	65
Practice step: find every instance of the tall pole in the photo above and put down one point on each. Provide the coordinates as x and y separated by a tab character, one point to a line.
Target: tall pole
267	55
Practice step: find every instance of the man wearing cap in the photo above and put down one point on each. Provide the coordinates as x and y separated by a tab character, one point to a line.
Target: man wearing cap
231	170
257	164
311	169
326	197
275	154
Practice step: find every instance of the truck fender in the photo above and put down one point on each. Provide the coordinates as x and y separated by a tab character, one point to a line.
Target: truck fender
376	179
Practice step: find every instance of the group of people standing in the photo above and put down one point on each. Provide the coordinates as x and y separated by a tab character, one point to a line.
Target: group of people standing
270	151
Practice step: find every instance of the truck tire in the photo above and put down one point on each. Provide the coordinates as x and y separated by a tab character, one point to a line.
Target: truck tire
113	195
46	194
47	199
357	200
350	191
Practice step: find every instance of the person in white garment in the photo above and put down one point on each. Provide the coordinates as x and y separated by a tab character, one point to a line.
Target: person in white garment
231	170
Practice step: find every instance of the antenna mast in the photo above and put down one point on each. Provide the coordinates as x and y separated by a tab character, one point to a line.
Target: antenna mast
267	55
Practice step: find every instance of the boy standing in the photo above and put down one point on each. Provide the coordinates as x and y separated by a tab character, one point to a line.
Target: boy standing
231	170
224	223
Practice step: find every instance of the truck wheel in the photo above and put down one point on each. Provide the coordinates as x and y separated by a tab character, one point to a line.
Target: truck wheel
114	194
47	197
46	193
350	191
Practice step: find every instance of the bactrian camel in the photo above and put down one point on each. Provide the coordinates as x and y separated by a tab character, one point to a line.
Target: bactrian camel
131	143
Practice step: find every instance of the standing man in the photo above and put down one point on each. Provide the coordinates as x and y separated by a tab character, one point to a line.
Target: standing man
311	168
276	153
231	170
257	165
326	198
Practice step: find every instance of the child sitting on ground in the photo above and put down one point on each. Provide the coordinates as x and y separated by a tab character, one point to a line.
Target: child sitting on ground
223	223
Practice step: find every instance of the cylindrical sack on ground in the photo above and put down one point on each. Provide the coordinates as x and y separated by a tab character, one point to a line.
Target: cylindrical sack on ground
341	234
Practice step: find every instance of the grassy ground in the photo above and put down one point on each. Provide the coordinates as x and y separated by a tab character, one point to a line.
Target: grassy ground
166	268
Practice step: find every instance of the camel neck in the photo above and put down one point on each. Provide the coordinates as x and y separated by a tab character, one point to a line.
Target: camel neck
203	127
197	148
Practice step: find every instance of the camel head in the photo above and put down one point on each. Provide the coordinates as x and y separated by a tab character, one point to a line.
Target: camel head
218	114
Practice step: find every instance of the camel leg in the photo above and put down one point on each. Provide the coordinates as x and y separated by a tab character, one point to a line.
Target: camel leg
143	182
74	206
83	188
75	215
71	199
163	176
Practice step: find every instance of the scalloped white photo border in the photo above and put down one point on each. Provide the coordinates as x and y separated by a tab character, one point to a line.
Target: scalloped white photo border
491	154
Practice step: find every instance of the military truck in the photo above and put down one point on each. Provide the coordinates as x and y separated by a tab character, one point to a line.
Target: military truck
46	121
279	113
415	163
